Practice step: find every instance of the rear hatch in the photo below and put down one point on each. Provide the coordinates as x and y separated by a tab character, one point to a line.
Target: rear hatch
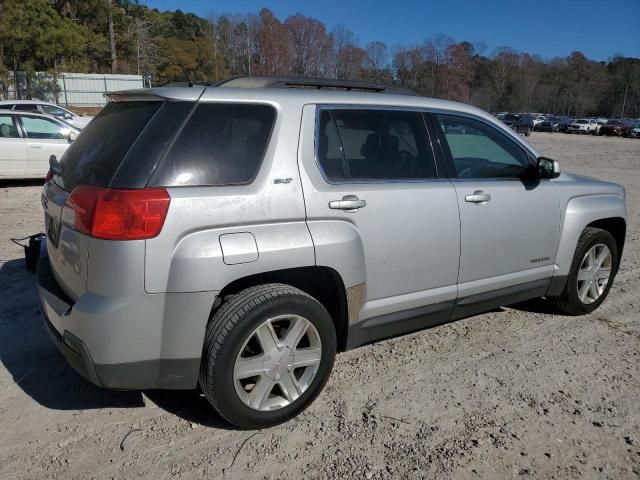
95	158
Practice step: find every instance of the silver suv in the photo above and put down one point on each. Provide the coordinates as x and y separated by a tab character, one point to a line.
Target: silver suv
235	237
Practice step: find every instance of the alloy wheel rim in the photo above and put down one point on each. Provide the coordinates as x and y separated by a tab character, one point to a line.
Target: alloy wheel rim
277	362
594	273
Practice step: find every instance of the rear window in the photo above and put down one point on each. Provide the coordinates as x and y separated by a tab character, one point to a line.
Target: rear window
221	144
94	157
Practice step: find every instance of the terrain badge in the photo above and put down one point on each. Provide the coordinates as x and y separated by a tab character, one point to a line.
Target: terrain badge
278	181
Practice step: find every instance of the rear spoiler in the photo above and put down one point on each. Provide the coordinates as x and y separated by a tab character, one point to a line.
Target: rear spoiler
155	94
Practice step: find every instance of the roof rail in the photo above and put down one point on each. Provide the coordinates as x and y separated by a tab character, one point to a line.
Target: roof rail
316	83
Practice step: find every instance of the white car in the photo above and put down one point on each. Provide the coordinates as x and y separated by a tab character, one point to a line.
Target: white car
38	106
27	140
583	125
538	119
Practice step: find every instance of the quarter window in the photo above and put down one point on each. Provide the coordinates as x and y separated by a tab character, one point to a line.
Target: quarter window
222	144
370	144
7	127
37	127
26	107
481	151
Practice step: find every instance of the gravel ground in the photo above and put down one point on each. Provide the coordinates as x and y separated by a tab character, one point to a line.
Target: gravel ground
516	392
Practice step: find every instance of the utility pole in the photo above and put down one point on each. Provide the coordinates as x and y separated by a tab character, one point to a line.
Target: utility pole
112	39
625	100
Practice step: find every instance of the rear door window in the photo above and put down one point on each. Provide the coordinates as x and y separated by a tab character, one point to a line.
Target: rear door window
373	145
95	156
221	144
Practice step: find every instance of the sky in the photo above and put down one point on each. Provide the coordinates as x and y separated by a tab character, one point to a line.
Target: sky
549	28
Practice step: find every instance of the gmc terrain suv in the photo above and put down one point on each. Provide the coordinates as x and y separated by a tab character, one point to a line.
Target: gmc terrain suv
235	237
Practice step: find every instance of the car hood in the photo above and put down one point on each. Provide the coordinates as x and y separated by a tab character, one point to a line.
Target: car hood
602	185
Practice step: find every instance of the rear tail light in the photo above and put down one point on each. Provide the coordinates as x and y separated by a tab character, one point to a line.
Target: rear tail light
116	214
48	177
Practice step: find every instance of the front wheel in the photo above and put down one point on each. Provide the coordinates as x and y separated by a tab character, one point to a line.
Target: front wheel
594	266
268	353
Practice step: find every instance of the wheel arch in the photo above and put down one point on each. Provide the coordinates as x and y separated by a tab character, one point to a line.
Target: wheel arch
323	283
617	227
603	211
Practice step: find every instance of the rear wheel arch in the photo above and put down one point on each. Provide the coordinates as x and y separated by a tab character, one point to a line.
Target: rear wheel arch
323	283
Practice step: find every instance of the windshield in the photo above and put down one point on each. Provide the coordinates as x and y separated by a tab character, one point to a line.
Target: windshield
581	122
614	122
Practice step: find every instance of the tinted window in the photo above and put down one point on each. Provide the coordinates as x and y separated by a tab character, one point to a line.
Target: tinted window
43	128
7	127
480	151
26	107
96	154
222	144
329	148
364	144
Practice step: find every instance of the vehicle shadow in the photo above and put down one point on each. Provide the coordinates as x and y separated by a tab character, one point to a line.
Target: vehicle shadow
538	305
31	358
41	371
190	405
38	182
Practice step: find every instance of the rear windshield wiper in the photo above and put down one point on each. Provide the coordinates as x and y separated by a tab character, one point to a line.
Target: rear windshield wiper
55	166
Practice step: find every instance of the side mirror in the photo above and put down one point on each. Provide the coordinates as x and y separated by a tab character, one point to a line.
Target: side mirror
68	116
72	136
548	168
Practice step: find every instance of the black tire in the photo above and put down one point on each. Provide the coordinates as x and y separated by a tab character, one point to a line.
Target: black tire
568	301
227	331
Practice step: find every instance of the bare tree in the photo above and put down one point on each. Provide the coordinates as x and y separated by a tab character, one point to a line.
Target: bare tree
274	45
377	58
112	38
310	45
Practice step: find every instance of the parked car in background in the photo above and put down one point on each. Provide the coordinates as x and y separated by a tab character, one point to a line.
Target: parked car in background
599	124
536	119
550	125
518	122
37	106
582	125
27	140
564	124
635	130
615	127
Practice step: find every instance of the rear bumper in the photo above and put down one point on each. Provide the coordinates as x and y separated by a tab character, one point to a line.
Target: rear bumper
100	344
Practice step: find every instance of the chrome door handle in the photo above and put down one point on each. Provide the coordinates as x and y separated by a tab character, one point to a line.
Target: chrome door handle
35	146
349	203
477	197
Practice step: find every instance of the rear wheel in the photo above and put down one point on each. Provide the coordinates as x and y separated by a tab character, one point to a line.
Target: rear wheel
268	353
593	269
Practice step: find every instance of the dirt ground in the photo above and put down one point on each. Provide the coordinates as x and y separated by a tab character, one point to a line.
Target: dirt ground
517	392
